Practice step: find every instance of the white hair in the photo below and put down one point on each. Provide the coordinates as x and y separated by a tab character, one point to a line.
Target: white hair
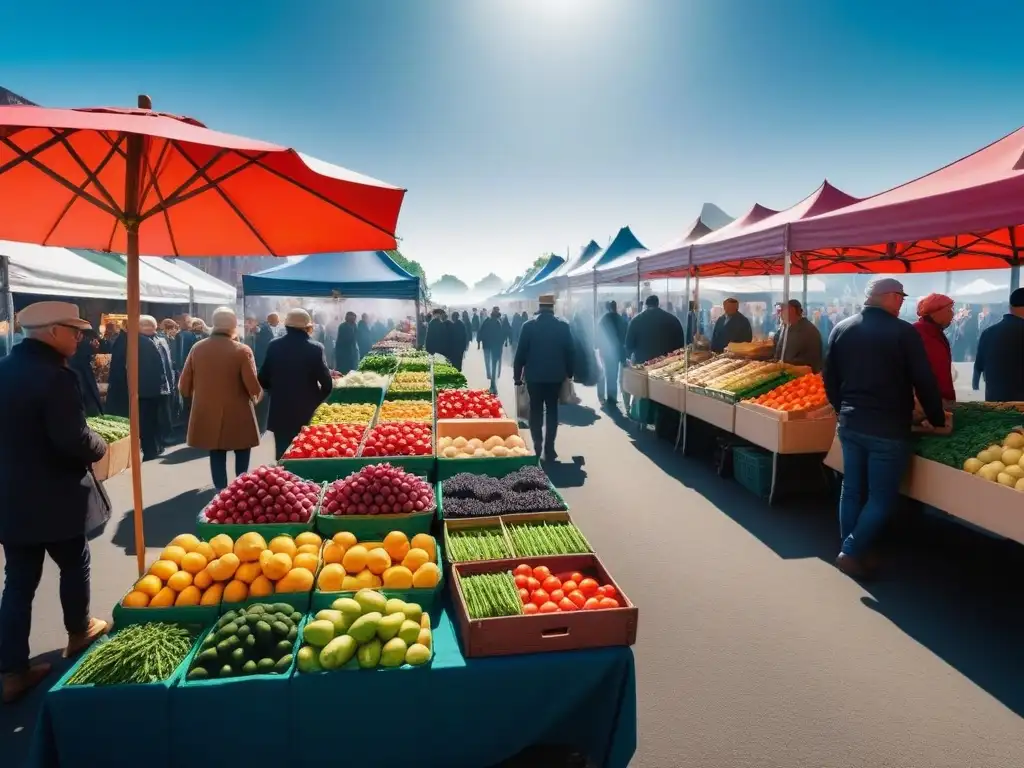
147	320
224	320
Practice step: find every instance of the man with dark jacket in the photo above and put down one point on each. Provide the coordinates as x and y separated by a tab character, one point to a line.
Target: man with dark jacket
653	333
182	344
364	335
346	348
155	381
516	328
474	327
491	336
876	363
1001	355
799	342
611	343
546	353
265	333
456	330
296	374
49	498
436	342
81	364
730	327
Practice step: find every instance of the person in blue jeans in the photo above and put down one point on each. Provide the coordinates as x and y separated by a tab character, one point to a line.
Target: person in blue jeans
492	338
874	366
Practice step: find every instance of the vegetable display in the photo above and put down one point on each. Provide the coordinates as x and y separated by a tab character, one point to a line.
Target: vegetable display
361	379
805	393
407	363
447	376
525	490
110	428
138	653
976	427
468	544
547	538
366	631
264	495
491	595
378	489
406	410
468	404
188	572
399	438
394	563
1001	463
326	441
378	363
258	639
542	592
461	448
343	413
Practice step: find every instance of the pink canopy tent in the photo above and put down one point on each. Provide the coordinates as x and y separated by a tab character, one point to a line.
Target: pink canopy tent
672	259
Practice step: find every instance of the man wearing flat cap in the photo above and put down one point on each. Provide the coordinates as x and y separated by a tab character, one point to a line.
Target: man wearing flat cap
49	497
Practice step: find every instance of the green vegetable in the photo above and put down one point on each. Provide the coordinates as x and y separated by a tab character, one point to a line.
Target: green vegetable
467	544
547	538
447	376
139	653
379	363
976	426
110	428
490	595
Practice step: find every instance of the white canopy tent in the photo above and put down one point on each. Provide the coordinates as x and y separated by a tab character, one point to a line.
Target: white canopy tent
58	272
204	288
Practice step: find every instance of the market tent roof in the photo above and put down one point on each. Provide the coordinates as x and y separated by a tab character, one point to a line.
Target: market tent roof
764	284
552	281
621	267
963	216
623	246
353	274
154	285
544	279
58	272
205	288
675	255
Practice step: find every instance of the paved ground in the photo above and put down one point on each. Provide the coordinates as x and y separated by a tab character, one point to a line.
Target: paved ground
753	650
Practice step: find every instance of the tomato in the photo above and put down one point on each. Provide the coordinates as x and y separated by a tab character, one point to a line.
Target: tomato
608	590
541	572
577	598
609	602
588	587
566	604
551	583
569	585
523	570
530	608
592	604
539	597
557	595
549	607
532	584
576	576
524	596
521	581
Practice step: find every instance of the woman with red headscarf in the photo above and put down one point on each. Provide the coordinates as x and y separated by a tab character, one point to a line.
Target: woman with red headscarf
935	313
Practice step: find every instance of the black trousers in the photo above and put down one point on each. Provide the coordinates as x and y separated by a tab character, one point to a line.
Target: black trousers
282	439
543	398
149	425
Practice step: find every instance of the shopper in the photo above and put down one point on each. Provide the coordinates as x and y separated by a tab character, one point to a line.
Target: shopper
220	377
611	343
798	342
474	326
346	347
491	336
296	374
544	360
653	333
436	337
457	344
935	313
875	365
265	333
1001	355
731	327
49	498
81	364
154	387
364	335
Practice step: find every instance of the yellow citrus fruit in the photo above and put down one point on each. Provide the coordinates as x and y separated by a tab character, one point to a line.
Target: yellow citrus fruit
283	544
221	544
203	579
397	577
365	579
350	584
311	549
188	596
368	545
276	566
173	553
344	539
246	572
213	594
378	560
333	553
149	585
331	577
180	580
204	549
415	559
164	598
261	587
186	541
425	637
224	567
426	576
135	599
355	559
163	569
235	592
296	580
397	545
425	542
249	546
308	537
193	562
307	561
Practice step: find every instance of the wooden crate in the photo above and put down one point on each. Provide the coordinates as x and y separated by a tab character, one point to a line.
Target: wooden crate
542	632
665	393
716	412
761	427
634	382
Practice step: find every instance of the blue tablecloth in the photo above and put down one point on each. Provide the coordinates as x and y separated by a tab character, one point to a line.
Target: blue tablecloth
455	713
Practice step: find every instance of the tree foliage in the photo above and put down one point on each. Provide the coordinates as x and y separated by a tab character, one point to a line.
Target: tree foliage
449	284
492	284
409	265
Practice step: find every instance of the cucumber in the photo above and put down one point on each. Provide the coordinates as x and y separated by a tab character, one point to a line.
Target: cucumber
227	671
265	665
250	668
283	663
198	673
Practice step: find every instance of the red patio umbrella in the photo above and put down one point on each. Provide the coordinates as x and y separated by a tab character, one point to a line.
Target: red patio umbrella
137	181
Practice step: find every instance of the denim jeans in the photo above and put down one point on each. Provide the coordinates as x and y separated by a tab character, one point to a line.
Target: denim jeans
611	377
219	466
492	364
22	571
873	470
543	397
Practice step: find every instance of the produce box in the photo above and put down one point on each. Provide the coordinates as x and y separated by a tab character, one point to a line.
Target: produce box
476	523
811	432
372	527
752	468
133	722
116	460
177	614
489	470
297	600
711	410
356	395
635	382
541	632
417	394
207	531
481	429
665	393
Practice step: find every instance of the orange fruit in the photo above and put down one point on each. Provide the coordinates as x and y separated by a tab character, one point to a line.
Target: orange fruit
193	562
164	598
296	580
283	544
426	576
185	541
221	545
308	538
333	552
425	542
331	578
378	561
180	580
344	539
397	545
397	577
310	549
149	585
276	566
173	553
188	596
249	546
135	599
246	573
235	592
163	569
355	559
261	587
204	549
307	561
203	579
415	559
213	594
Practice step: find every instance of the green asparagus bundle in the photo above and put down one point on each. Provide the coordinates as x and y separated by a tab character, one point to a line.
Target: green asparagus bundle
467	544
547	538
139	653
110	428
491	595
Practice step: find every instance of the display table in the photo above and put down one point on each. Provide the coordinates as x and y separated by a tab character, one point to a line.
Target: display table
711	410
667	393
456	713
770	430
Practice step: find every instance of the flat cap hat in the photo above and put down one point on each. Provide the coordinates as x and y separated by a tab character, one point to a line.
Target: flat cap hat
44	313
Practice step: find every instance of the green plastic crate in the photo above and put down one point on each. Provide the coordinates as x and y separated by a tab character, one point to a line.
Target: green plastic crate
329	470
175	614
752	468
420	394
356	395
374	527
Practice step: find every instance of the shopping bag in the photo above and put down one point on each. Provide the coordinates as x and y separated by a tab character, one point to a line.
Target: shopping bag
522	403
567	394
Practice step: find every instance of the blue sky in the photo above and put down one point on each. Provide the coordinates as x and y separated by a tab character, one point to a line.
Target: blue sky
525	126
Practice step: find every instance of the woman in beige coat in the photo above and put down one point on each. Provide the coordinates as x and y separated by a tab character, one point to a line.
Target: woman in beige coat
220	377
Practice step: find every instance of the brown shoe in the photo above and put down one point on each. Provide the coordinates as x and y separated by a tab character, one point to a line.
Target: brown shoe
852	567
17	684
79	641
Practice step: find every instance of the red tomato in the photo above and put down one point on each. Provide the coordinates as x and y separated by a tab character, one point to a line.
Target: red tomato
569	585
609	602
588	587
609	590
549	607
539	597
541	572
576	576
566	604
592	604
521	581
523	570
529	608
532	584
524	596
577	598
551	583
557	595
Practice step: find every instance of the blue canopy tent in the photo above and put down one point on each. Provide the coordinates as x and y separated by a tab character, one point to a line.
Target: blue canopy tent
623	247
554	281
553	263
350	275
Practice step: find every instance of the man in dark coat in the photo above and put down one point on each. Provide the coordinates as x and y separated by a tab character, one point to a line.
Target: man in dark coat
182	344
456	330
49	498
364	335
516	327
546	356
436	341
346	348
611	342
378	331
474	326
730	327
1001	355
295	372
265	334
155	381
653	333
491	336
81	364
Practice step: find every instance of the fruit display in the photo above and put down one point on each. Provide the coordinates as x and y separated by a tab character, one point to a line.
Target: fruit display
110	428
525	490
255	640
977	427
378	363
366	631
137	654
655	362
542	592
406	410
447	376
491	595
258	568
410	381
475	448
264	495
533	539
667	371
343	413
465	545
468	404
188	572
1001	462
399	438
326	441
361	379
378	489
699	375
805	393
396	562
749	374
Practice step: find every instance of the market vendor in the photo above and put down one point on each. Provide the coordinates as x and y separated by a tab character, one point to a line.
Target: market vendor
1001	355
653	333
799	342
731	327
935	313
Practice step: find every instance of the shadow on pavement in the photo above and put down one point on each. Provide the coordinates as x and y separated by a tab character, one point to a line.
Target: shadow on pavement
163	521
576	415
564	474
18	721
182	454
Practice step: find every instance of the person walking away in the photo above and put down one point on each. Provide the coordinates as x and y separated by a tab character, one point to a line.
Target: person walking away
506	331
1000	356
544	360
200	329
653	333
731	327
346	347
516	329
296	374
474	327
220	377
265	333
491	336
798	342
154	387
611	343
81	364
935	314
875	365
436	337
49	498
456	331
469	329
167	402
378	331
363	335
